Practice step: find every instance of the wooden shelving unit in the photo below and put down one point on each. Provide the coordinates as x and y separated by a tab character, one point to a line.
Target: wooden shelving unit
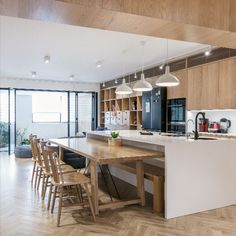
109	101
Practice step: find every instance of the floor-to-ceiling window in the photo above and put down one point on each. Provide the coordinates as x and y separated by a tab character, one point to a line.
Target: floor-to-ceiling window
49	114
41	112
7	120
4	117
53	114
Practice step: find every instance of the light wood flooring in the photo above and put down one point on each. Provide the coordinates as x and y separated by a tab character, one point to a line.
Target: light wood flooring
23	213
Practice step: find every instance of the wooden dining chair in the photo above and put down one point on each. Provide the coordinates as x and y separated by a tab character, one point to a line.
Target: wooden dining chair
62	181
31	137
37	153
44	149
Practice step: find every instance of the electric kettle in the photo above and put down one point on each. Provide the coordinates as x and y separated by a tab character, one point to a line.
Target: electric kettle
225	124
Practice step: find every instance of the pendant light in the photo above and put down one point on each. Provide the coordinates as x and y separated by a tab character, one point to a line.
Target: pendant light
123	88
142	85
168	79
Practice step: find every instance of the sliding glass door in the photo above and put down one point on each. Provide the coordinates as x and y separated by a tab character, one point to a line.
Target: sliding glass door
49	114
12	121
83	112
7	120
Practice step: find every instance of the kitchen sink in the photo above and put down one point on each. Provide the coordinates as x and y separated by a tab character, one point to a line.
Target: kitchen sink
205	138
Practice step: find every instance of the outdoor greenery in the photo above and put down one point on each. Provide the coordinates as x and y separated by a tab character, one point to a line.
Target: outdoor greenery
20	137
3	134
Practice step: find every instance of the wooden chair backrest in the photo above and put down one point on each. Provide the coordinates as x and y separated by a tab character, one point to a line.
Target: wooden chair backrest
45	157
32	136
37	151
33	149
56	167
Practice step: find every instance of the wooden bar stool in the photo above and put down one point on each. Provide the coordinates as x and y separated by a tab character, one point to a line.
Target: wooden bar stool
61	180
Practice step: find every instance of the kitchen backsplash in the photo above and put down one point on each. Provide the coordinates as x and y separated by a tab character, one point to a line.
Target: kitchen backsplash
214	116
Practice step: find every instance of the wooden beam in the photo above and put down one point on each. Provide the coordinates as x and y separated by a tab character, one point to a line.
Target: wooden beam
210	22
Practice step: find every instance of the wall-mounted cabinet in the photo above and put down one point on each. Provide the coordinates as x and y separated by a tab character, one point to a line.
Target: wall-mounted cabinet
203	87
227	84
179	91
212	86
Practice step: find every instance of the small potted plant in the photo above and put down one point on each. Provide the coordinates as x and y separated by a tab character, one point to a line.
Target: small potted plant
114	140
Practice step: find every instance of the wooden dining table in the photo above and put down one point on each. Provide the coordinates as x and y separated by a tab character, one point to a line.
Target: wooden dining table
100	153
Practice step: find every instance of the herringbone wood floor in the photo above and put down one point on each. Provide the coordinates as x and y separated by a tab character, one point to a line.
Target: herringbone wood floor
23	213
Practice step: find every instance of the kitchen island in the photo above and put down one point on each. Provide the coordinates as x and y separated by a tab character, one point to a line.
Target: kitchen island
200	175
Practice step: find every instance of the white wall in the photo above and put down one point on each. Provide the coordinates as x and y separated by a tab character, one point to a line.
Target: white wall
215	115
47	84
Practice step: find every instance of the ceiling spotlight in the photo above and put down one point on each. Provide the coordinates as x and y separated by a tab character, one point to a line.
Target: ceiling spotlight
116	81
207	53
46	59
99	64
71	77
161	67
33	74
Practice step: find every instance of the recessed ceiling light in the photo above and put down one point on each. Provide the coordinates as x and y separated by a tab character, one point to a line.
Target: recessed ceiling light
33	74
99	64
46	59
71	77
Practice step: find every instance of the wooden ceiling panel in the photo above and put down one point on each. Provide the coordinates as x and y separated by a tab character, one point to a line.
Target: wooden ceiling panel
202	21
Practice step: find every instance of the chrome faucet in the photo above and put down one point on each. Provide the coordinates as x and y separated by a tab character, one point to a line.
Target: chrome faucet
196	135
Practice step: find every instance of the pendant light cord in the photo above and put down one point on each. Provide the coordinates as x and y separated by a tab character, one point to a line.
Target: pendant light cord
167	52
143	44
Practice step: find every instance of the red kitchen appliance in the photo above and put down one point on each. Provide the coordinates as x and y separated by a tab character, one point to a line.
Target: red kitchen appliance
203	125
214	127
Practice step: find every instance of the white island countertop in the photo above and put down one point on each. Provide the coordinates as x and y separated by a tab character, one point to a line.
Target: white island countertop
161	139
199	174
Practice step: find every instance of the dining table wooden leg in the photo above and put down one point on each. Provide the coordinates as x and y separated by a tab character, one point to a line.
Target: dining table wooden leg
94	186
140	181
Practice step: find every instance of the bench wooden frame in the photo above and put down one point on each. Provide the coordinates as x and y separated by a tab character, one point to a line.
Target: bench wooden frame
158	186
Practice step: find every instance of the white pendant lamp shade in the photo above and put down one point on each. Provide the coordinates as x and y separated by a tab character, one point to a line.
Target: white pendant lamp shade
142	85
123	88
168	79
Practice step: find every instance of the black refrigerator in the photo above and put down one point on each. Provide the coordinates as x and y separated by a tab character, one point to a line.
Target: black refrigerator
154	109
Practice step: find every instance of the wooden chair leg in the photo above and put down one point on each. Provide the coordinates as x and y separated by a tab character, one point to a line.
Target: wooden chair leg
90	202
59	206
79	193
40	176
36	177
33	172
49	197
54	199
43	183
45	187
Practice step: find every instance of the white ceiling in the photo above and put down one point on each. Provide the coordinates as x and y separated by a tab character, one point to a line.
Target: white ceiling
75	50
